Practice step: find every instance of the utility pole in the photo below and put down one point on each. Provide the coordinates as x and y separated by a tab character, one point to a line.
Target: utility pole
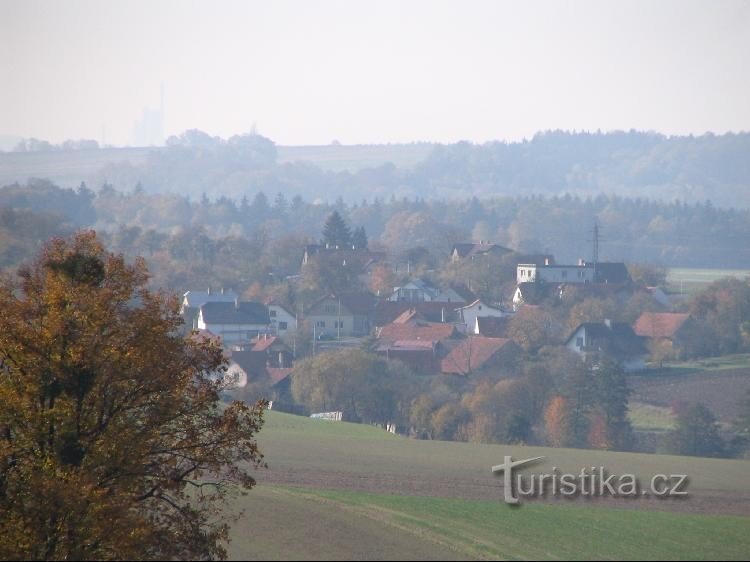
596	238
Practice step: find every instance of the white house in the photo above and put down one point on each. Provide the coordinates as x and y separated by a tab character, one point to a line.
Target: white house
468	314
235	322
196	299
419	290
613	340
531	273
282	320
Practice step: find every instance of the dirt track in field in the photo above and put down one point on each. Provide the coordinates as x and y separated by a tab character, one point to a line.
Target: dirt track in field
713	502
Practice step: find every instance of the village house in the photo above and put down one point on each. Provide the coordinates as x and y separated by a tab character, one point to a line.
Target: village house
475	354
538	283
473	250
469	313
616	341
388	311
193	300
342	315
666	332
420	290
582	273
361	258
491	326
421	356
281	318
235	322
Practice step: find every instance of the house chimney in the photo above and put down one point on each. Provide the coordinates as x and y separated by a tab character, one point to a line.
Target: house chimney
442	315
222	290
209	290
546	261
608	323
581	263
237	303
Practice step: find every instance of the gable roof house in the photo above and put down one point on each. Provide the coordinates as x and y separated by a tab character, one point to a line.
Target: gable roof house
469	313
281	318
361	258
193	300
492	327
661	325
671	333
263	363
416	331
616	341
421	356
388	311
421	290
235	322
342	314
475	354
473	250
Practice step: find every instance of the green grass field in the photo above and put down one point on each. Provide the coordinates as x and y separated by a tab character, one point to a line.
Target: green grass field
647	417
347	491
689	280
316	524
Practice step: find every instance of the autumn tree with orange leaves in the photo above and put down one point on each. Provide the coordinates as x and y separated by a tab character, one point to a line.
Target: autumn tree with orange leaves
112	441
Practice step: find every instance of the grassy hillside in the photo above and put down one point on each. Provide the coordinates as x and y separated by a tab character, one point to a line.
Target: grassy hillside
317	453
347	491
283	523
689	280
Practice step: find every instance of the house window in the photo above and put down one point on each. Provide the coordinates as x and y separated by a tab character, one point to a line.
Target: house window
320	324
338	324
272	313
283	325
330	309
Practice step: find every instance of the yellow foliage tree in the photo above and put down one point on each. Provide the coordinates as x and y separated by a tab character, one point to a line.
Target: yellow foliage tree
112	441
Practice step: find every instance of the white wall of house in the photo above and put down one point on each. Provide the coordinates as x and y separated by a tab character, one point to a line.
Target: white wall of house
282	321
529	273
469	314
232	333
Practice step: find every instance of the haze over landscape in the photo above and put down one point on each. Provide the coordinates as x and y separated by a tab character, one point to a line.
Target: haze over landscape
347	279
364	72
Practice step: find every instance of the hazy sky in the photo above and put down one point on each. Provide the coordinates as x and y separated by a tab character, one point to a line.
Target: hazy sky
311	71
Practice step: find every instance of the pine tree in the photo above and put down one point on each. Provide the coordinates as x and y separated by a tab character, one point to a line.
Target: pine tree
359	238
336	232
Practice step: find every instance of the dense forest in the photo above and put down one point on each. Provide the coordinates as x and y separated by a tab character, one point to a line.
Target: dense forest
276	227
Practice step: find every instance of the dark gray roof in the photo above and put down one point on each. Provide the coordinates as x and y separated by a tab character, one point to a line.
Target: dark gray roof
620	340
235	313
612	272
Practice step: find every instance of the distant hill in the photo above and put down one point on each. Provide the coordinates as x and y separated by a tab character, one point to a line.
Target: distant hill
629	164
69	168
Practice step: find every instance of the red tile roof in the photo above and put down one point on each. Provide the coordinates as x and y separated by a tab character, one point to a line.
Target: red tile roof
263	343
276	375
471	354
492	326
417	331
387	311
659	324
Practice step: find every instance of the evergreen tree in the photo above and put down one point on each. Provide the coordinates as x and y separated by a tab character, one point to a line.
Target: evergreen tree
336	232
359	238
696	434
